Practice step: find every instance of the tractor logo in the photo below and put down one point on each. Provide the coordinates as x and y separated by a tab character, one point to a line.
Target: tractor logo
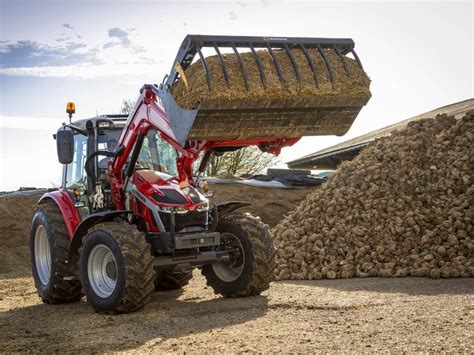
275	39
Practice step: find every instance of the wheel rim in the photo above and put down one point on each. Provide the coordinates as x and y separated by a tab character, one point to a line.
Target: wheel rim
42	255
231	269
102	271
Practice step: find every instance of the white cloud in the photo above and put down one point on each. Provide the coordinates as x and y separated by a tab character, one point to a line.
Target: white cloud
66	51
87	71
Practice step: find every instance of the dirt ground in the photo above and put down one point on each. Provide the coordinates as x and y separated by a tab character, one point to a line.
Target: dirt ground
16	211
407	314
402	314
270	204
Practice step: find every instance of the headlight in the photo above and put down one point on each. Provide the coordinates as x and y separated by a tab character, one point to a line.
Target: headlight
181	210
164	209
203	207
167	209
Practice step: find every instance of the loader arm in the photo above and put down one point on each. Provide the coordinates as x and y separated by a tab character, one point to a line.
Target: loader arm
147	114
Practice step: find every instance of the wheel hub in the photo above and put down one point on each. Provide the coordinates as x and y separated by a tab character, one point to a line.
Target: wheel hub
102	271
231	267
110	270
42	255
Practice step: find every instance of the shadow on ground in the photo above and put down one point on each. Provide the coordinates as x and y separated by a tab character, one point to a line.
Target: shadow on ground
75	327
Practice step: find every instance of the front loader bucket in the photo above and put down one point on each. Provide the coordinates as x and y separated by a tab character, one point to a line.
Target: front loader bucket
280	88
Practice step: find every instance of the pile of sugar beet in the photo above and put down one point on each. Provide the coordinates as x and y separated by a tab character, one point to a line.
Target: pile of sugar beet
403	207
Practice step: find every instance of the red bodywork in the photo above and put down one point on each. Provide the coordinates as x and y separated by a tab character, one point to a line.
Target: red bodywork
72	219
147	114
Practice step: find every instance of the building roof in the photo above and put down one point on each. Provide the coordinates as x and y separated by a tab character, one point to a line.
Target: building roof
331	157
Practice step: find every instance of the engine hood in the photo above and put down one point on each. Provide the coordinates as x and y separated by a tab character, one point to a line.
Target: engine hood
164	189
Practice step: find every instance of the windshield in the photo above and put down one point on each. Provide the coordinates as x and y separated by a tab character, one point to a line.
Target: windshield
158	155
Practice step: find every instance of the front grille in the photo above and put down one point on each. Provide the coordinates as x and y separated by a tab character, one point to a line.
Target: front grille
190	219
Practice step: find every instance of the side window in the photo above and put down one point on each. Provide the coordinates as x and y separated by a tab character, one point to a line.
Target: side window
107	140
75	173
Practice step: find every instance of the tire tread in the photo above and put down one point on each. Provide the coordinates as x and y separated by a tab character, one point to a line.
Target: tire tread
138	263
264	253
62	291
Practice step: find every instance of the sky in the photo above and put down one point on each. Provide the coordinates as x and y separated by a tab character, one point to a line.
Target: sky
419	56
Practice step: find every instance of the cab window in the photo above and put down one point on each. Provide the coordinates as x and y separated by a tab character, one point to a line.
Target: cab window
75	174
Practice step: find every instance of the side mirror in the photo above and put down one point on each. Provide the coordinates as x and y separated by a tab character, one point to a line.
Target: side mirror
65	146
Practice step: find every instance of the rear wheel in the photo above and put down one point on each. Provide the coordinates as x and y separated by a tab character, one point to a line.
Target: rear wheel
116	268
166	280
49	246
249	269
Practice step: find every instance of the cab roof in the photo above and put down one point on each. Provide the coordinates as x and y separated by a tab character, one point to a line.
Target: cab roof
118	121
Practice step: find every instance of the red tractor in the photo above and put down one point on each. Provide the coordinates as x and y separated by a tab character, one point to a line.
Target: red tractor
131	215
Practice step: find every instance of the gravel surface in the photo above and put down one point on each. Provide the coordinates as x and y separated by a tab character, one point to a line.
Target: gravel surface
407	314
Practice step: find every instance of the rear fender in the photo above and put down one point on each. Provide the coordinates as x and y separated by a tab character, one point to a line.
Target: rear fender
88	223
66	205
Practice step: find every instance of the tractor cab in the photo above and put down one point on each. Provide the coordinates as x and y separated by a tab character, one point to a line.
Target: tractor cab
89	136
106	131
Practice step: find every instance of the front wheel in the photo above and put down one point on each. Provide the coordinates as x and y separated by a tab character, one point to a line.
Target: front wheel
249	268
116	268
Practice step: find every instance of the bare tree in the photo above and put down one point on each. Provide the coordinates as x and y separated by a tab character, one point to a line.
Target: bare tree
127	106
248	160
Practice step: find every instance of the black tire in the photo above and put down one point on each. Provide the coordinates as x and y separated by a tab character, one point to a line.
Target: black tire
259	261
134	267
166	280
56	290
